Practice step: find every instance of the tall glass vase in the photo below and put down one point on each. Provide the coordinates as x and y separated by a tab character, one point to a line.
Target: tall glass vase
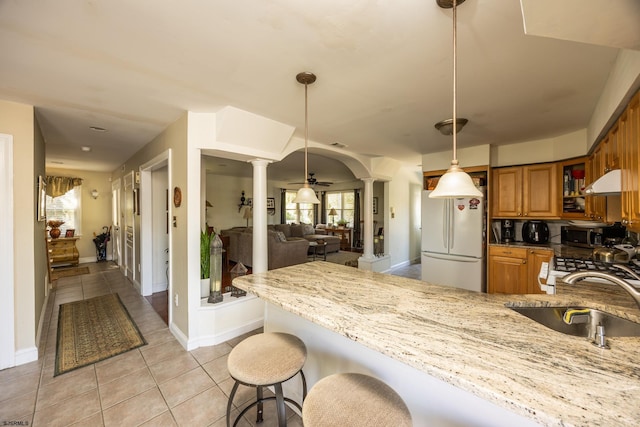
215	273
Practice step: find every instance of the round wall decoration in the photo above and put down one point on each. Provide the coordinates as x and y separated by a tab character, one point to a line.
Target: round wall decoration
177	197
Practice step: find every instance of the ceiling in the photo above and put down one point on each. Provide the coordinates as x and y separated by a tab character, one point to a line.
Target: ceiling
384	72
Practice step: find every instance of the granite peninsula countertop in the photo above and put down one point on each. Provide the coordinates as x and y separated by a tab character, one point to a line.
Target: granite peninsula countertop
472	340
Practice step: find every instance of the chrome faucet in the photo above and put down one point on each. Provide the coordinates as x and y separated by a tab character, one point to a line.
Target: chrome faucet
578	275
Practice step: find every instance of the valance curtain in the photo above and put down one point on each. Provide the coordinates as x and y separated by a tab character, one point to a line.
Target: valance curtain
59	185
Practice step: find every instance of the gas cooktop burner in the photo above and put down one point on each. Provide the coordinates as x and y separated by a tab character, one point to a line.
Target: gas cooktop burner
570	265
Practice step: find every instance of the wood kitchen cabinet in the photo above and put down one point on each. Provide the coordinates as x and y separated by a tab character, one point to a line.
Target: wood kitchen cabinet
574	177
515	270
630	164
596	206
526	191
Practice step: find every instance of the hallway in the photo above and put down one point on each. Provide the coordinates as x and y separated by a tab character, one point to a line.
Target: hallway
159	384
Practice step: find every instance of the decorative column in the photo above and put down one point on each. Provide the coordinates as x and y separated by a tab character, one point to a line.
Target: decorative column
260	241
368	218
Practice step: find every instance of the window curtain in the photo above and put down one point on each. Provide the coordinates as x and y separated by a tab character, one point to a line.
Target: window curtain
283	206
59	185
357	231
323	208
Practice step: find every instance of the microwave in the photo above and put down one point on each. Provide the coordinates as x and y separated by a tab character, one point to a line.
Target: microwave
581	237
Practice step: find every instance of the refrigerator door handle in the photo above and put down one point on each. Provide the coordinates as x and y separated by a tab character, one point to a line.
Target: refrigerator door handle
457	259
445	225
451	224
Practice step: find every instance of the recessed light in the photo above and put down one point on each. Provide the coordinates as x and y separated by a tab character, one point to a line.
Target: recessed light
85	148
97	129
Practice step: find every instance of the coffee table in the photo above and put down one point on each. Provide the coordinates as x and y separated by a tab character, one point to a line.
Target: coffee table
315	245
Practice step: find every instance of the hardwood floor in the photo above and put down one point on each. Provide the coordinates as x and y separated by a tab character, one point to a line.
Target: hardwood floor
160	300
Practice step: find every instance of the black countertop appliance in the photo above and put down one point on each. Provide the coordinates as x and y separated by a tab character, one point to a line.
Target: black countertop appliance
535	232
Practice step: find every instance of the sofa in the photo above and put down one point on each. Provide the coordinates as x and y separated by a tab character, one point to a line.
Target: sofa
288	244
281	253
311	234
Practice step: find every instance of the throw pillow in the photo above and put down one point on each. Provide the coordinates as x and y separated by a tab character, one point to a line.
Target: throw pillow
280	236
308	229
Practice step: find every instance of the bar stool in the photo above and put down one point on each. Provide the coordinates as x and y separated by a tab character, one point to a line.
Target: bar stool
265	360
354	400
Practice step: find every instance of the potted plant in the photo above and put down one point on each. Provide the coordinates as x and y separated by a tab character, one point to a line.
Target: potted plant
205	255
342	222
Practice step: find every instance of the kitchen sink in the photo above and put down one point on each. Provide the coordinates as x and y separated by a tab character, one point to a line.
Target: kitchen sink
583	325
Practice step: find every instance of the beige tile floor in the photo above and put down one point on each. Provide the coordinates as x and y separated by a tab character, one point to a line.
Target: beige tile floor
159	384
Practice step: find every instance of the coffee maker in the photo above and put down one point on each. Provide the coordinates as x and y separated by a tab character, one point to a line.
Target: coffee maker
507	232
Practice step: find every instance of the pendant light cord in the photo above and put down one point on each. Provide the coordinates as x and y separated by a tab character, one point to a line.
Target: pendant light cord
455	118
306	133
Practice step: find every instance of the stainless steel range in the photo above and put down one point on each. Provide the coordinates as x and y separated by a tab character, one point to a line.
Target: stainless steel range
561	266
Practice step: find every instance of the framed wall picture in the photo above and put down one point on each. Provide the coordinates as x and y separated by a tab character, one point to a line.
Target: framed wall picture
271	203
375	205
41	209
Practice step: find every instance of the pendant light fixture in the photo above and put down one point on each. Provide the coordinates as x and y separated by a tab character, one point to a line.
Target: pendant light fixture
306	193
455	183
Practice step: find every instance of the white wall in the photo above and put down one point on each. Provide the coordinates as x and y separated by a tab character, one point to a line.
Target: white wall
403	231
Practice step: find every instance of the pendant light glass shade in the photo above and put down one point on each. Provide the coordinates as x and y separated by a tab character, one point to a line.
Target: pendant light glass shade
455	183
306	193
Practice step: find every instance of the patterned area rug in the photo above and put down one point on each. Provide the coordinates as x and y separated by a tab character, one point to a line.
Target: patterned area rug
68	272
93	330
343	257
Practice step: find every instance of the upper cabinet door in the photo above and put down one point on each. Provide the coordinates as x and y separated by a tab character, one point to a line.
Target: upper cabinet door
506	190
540	185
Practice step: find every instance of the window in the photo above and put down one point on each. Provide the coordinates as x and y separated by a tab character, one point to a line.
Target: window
66	208
343	203
298	212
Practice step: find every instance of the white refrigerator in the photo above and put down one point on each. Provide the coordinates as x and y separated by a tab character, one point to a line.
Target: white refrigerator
453	242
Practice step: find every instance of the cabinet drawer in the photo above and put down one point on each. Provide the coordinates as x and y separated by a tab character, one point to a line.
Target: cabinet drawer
507	252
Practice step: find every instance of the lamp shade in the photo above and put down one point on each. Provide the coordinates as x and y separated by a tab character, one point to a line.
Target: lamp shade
455	183
248	213
306	195
333	212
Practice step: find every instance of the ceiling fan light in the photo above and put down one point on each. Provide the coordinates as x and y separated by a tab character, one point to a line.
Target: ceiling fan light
306	195
455	183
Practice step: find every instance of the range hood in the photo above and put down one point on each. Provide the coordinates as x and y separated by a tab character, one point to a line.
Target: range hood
608	184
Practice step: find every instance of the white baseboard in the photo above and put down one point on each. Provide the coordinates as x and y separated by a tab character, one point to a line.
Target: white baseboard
180	336
26	355
159	287
41	322
210	340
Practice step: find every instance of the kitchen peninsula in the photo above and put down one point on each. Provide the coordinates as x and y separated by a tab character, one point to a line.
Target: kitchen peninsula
456	357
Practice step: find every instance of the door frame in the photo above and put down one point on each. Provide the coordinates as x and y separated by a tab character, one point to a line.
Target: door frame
116	223
146	226
7	309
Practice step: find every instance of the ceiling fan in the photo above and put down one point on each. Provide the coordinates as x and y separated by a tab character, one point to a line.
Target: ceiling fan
313	181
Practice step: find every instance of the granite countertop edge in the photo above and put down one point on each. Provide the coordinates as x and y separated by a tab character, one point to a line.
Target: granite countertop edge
475	342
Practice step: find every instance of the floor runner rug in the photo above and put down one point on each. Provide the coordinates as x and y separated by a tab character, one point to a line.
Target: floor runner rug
93	330
68	272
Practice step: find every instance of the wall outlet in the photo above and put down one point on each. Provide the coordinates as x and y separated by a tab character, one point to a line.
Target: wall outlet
176	300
